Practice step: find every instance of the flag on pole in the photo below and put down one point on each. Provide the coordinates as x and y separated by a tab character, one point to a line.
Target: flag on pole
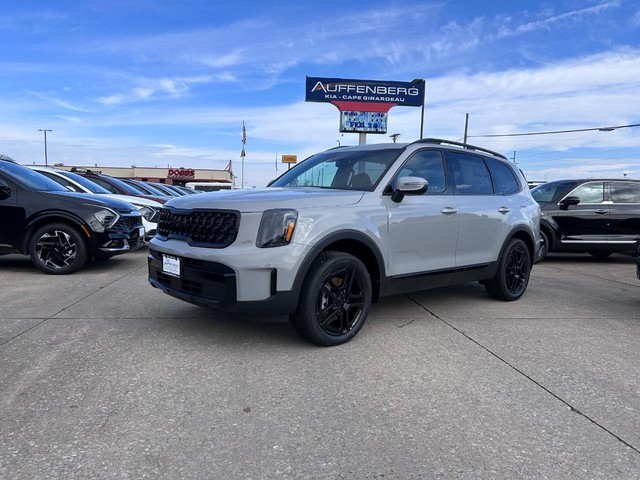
244	140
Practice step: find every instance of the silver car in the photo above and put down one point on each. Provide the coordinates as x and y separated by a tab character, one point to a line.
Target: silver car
347	226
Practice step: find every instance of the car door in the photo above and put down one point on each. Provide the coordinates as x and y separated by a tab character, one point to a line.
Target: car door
11	216
624	212
588	220
484	215
423	229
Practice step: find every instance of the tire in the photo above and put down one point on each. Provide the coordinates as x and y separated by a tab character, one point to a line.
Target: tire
57	249
599	254
513	273
544	246
334	301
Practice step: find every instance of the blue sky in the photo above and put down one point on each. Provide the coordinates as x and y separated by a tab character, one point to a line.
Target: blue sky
157	83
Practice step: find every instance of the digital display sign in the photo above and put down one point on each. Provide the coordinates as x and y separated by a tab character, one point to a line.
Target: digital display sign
363	122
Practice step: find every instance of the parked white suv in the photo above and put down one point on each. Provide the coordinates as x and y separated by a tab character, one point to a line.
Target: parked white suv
348	226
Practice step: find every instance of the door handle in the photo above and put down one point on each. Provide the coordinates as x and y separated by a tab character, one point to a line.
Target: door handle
504	210
601	212
449	210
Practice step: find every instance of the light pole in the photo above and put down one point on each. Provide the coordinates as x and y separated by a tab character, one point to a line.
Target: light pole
423	82
45	130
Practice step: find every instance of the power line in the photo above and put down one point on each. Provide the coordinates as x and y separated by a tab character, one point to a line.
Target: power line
602	129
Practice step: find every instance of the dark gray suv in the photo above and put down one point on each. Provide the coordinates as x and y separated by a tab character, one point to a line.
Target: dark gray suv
59	229
596	216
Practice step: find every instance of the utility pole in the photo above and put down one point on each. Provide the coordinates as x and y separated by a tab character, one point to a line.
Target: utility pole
514	157
45	130
394	137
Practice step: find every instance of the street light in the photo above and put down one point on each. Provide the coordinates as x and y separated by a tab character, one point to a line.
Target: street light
45	130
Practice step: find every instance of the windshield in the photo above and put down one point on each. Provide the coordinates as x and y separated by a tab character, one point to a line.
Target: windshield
341	169
85	182
31	179
546	192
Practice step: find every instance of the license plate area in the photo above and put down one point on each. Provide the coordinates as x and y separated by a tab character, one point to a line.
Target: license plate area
171	265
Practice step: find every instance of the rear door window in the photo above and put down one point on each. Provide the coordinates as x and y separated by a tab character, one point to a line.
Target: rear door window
503	175
470	174
625	192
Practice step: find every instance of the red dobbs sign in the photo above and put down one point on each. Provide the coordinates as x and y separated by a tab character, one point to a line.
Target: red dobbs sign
182	173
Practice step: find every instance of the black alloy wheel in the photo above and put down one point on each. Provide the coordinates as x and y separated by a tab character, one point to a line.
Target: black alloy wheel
335	300
513	273
57	249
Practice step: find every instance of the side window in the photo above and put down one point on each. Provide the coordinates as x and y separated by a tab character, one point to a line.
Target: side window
104	184
592	192
470	174
625	192
429	165
62	181
504	177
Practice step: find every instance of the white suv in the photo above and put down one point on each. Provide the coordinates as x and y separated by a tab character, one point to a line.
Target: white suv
348	226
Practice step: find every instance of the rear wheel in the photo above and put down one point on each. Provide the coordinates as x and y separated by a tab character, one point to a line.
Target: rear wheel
513	273
334	301
58	249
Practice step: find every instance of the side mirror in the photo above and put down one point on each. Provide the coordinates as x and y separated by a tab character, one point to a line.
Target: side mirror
409	186
565	203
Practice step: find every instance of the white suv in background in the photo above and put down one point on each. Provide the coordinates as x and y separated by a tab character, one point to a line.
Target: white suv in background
348	226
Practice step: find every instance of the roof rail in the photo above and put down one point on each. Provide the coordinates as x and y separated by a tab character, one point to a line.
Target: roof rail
459	144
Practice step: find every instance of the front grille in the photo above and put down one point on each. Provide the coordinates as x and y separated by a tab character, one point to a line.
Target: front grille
127	222
203	228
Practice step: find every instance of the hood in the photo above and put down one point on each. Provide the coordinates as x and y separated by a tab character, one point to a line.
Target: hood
134	200
93	199
260	199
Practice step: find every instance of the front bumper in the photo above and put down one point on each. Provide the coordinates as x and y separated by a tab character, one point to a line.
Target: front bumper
121	242
214	284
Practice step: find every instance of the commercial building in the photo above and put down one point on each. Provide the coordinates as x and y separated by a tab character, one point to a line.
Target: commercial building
170	176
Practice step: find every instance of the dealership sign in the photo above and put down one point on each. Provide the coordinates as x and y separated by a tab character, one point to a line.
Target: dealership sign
334	90
364	104
182	173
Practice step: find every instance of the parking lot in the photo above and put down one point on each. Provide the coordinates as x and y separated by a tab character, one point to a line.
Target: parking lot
105	377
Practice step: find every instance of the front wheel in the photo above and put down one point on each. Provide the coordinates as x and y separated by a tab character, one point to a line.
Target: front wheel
334	301
58	249
513	273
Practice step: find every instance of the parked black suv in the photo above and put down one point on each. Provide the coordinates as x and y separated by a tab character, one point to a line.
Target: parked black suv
60	229
597	216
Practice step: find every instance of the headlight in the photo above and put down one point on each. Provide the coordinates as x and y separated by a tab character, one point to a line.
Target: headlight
276	228
103	220
147	212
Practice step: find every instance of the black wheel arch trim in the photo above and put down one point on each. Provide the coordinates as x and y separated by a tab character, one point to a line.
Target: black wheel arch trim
518	232
377	284
52	216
